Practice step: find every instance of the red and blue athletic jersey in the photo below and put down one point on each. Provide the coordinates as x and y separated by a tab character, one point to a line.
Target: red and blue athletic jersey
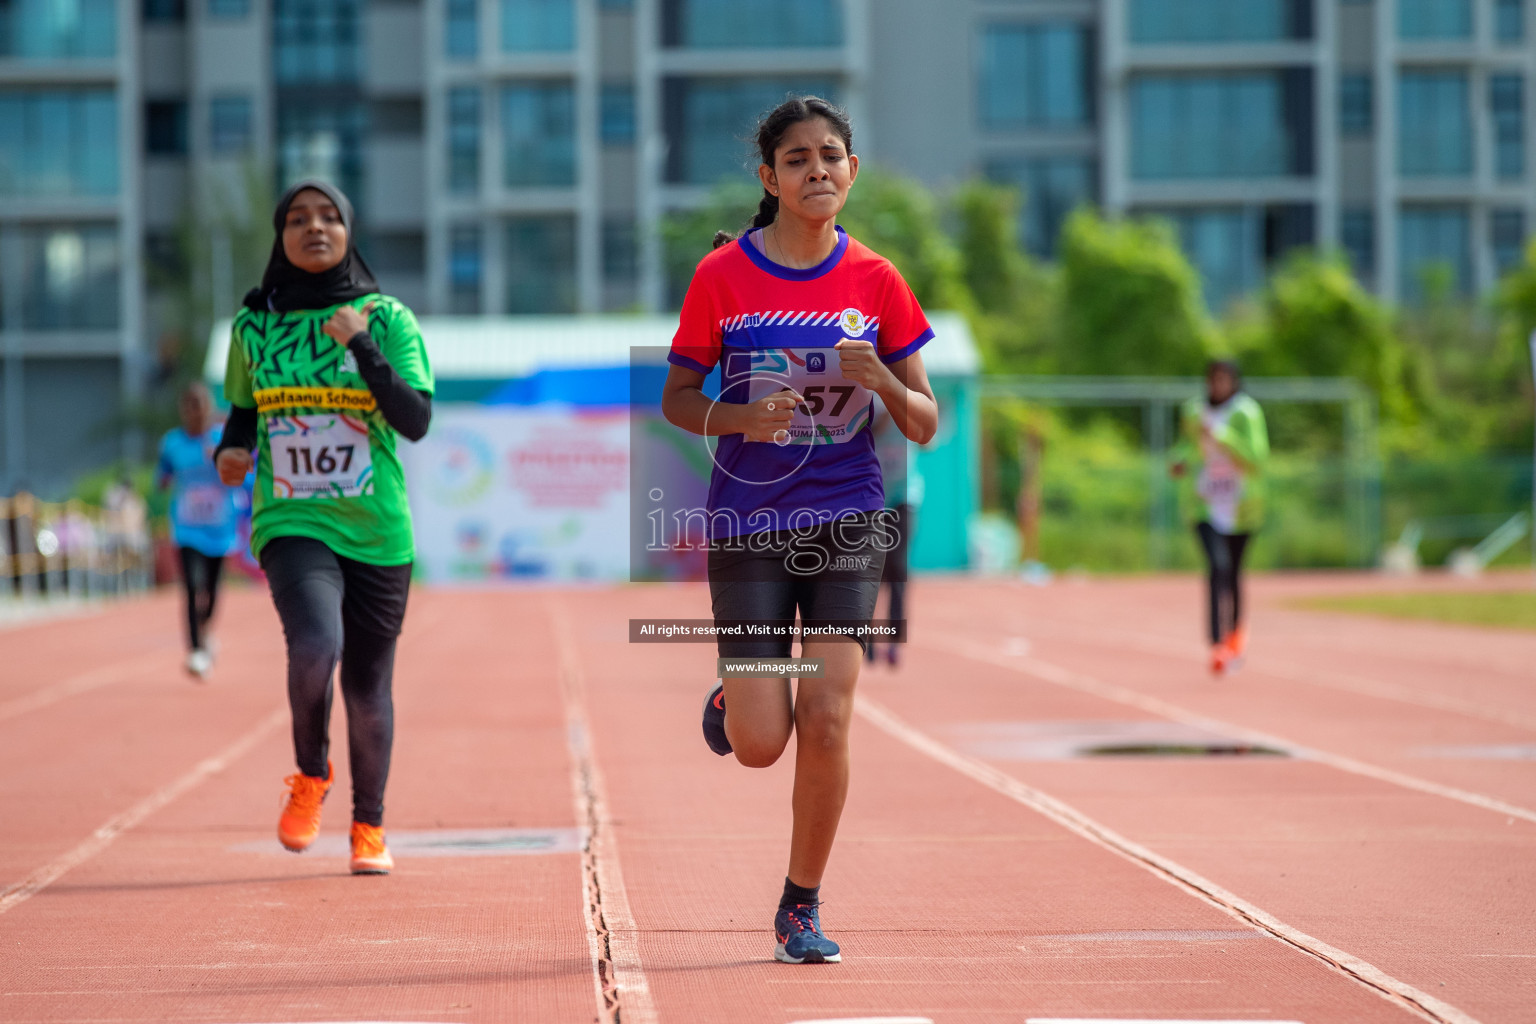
770	327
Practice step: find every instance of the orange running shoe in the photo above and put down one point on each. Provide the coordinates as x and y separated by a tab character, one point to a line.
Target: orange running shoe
300	822
369	854
1221	657
1237	640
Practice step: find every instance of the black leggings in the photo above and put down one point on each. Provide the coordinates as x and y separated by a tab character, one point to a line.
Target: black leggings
1224	555
337	609
200	576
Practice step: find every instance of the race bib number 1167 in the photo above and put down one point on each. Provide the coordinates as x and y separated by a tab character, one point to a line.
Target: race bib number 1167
325	455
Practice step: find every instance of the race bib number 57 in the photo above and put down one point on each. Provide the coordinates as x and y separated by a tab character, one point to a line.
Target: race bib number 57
325	455
835	409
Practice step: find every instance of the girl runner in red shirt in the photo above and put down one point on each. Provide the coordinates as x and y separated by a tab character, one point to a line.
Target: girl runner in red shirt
806	325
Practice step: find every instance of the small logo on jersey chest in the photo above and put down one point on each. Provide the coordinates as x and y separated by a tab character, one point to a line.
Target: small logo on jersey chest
752	320
852	322
349	362
815	362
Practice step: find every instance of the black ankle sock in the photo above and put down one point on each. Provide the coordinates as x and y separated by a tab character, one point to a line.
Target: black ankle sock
796	894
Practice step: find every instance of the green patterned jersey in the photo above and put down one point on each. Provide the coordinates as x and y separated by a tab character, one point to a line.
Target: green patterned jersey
326	465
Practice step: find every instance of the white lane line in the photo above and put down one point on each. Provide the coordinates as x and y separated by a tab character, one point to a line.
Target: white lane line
1399	993
103	837
1324	679
622	990
1056	674
80	683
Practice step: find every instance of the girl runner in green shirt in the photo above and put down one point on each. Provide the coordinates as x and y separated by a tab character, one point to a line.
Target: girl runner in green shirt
323	373
1223	447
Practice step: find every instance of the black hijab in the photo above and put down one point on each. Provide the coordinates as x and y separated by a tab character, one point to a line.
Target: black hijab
284	287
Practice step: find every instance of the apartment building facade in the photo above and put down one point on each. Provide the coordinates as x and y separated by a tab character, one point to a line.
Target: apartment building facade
519	156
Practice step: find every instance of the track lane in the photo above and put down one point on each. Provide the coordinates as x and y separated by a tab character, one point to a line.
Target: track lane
955	902
196	915
1003	891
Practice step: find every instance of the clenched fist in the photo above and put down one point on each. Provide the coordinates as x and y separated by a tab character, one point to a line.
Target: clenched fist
233	464
859	363
768	419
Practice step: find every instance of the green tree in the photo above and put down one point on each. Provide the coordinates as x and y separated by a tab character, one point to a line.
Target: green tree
1315	320
903	221
1130	301
1016	310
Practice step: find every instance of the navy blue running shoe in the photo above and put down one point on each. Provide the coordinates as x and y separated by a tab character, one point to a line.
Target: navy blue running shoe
714	721
798	931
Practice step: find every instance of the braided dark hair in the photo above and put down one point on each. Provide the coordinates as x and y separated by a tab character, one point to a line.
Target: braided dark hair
770	133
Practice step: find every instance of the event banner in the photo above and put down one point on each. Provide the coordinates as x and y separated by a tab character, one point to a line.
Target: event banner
519	492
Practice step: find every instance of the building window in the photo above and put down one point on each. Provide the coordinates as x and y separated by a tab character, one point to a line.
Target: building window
1434	126
323	139
1050	189
710	24
165	258
69	277
1356	104
618	114
38	28
228	8
1219	21
461	29
1036	76
397	254
1509	21
1237	125
164	11
705	120
532	26
540	261
165	127
1434	251
1226	245
466	269
58	142
1357	235
621	250
1434	19
229	124
400	118
317	41
538	134
1506	233
464	139
1232	246
1506	97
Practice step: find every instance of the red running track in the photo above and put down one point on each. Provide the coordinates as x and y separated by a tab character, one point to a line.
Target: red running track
1386	871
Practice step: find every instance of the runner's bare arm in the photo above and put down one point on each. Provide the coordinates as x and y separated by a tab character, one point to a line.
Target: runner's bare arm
685	405
902	386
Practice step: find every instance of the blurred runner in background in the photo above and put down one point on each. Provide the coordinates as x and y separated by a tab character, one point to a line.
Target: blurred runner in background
1221	454
903	496
203	516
